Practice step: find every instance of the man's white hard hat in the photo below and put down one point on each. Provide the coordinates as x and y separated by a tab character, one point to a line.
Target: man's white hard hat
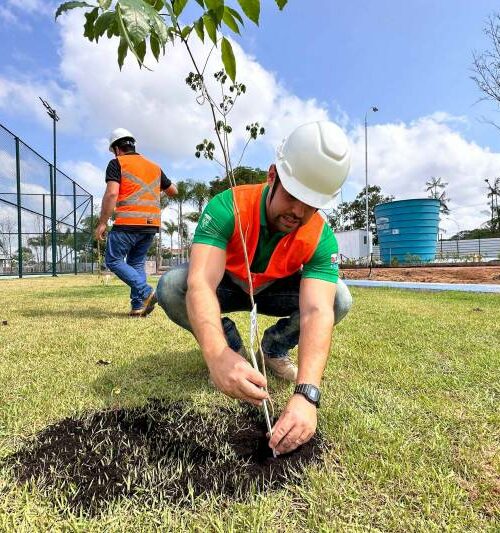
313	162
116	135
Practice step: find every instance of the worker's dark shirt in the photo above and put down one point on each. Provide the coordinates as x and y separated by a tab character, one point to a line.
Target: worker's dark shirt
114	173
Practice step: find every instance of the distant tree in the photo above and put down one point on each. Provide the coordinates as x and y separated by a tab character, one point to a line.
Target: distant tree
352	215
436	189
493	194
170	228
486	65
27	254
199	195
242	176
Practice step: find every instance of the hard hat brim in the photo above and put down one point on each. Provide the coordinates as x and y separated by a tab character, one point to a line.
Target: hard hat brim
293	186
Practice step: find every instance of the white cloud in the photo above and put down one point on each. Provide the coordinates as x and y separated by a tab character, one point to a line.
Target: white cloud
87	175
402	157
156	105
95	97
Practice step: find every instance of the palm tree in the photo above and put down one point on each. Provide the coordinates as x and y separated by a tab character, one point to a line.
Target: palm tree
494	193
170	228
199	195
435	187
183	195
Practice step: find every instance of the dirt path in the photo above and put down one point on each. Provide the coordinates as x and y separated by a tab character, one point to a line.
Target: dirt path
483	274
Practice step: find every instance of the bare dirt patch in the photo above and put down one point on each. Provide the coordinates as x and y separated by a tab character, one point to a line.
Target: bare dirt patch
159	453
477	274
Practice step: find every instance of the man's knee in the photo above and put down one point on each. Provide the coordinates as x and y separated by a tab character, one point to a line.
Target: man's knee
171	290
343	301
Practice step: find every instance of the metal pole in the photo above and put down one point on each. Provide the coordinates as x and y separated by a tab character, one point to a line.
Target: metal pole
53	185
19	220
44	241
366	185
74	228
53	240
92	234
54	218
374	109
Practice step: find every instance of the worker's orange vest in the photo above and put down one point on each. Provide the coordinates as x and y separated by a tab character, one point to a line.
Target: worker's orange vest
138	202
291	252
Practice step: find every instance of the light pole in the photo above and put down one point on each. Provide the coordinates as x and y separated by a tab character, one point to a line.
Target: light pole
53	186
374	109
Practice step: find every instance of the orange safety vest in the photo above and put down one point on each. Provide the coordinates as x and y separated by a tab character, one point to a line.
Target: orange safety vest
138	202
292	251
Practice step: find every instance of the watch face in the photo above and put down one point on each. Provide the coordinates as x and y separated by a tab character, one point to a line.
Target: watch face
314	394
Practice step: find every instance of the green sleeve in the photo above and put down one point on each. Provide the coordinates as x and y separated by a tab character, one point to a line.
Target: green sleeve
323	264
216	224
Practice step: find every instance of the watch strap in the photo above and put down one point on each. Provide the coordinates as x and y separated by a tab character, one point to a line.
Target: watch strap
310	392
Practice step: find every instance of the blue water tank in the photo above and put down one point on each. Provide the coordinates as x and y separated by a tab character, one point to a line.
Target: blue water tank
407	229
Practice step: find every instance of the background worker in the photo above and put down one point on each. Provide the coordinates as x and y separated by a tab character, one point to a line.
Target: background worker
133	194
292	253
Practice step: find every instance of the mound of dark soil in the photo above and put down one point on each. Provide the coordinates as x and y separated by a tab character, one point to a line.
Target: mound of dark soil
158	453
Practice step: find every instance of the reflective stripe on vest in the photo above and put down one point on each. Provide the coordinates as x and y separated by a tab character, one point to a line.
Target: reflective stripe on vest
291	252
138	200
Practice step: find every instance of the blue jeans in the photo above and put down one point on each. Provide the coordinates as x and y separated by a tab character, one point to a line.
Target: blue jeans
280	299
126	257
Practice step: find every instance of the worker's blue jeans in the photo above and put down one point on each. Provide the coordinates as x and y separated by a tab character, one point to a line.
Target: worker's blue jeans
126	257
280	299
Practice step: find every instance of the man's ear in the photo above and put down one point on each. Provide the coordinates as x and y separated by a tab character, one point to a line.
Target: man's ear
271	174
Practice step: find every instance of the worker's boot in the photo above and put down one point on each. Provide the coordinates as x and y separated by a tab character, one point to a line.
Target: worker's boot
282	367
136	313
149	303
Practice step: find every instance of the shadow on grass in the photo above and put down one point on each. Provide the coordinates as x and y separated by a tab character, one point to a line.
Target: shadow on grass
94	291
88	313
173	374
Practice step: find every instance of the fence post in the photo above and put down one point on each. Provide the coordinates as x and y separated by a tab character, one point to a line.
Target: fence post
479	245
19	218
92	234
74	228
53	218
44	242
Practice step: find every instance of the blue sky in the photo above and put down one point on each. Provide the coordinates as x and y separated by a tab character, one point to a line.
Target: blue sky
316	59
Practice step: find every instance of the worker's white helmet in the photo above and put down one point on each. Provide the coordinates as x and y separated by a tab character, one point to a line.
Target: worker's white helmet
116	135
313	162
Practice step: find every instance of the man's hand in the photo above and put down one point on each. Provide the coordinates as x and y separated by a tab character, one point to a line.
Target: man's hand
235	377
296	425
100	231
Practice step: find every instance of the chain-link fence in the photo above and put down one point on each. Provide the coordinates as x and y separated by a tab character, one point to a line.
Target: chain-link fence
45	216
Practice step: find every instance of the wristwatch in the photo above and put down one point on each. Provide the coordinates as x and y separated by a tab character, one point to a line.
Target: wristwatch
310	392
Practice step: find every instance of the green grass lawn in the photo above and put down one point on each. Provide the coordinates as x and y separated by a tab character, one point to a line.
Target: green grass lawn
411	398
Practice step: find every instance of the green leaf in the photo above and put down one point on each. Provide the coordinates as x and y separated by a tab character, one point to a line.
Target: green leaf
235	14
66	6
186	31
179	6
103	23
214	4
122	51
113	29
200	2
88	27
281	3
211	28
133	14
228	59
140	49
125	35
229	21
154	42
157	5
200	29
104	4
251	8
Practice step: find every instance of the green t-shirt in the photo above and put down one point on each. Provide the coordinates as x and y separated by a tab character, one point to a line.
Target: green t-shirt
216	227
